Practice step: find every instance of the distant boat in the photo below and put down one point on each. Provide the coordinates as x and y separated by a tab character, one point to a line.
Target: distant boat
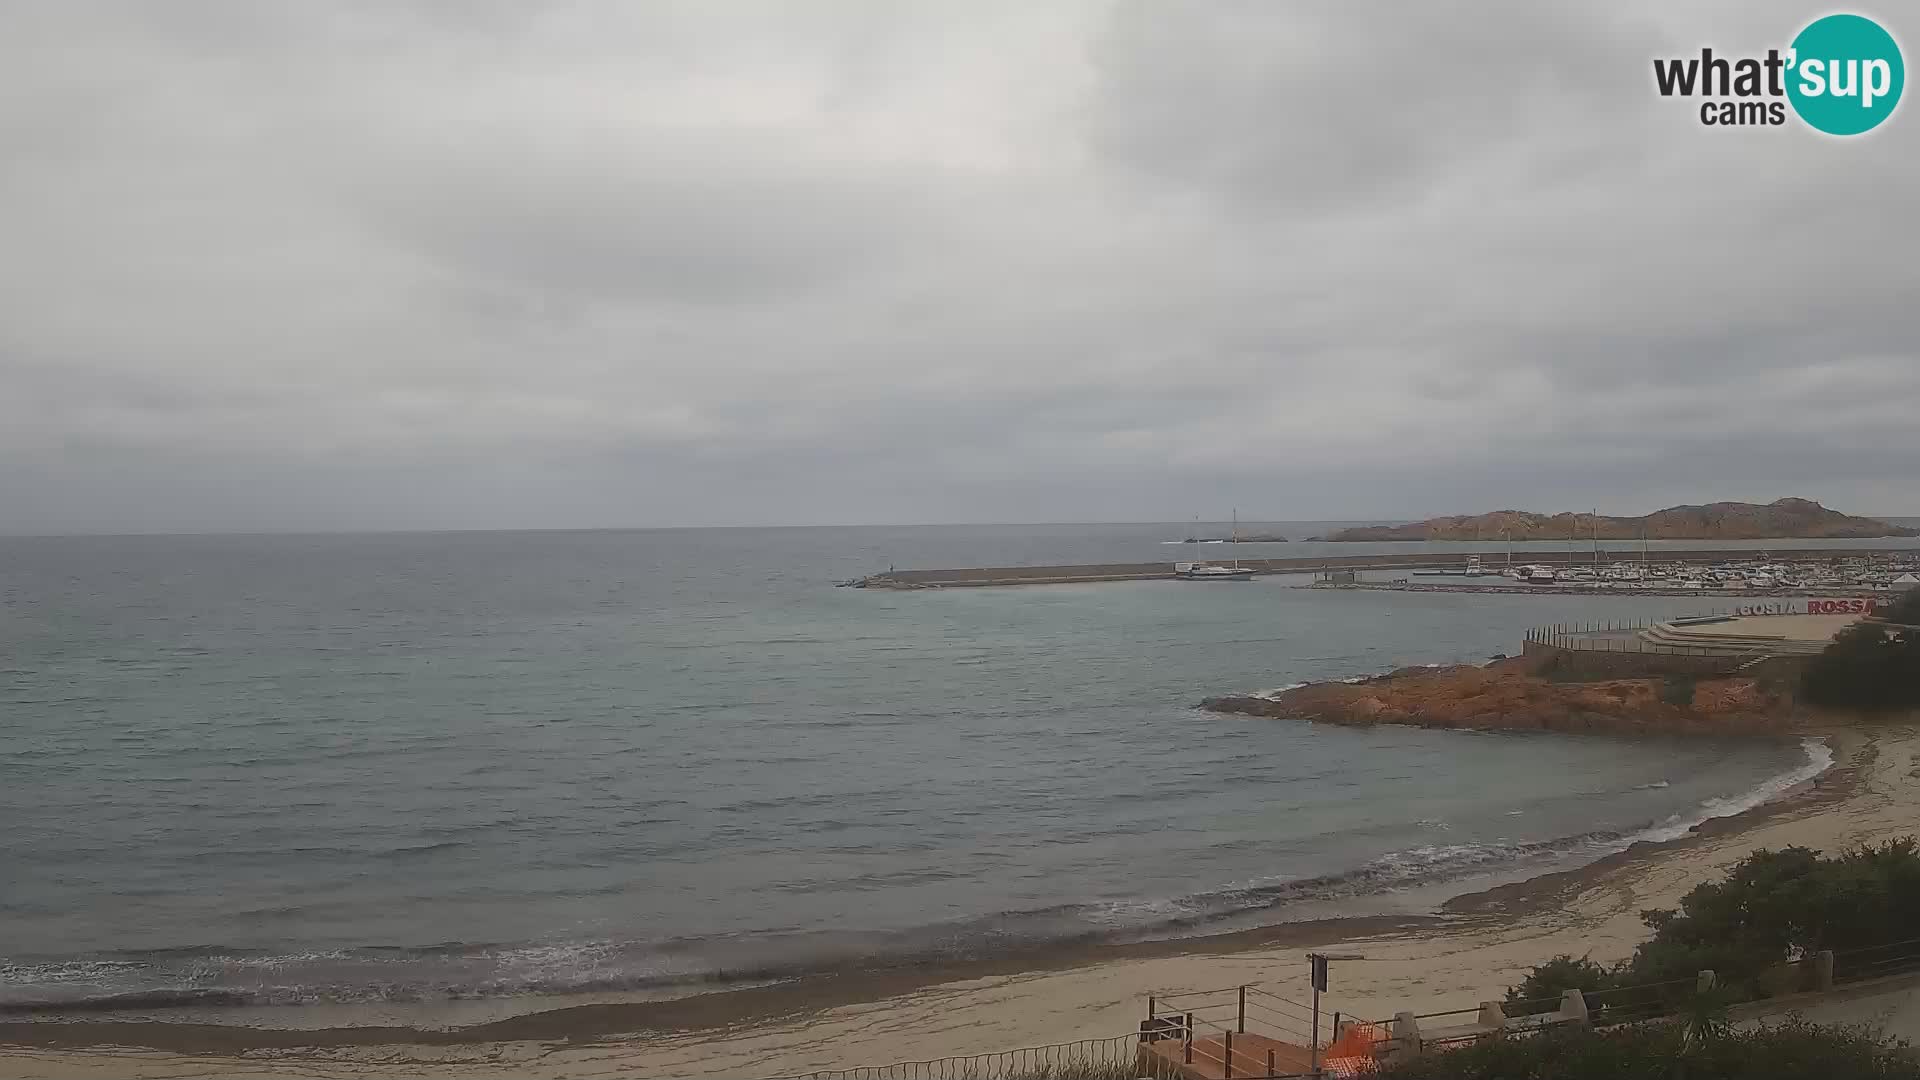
1197	571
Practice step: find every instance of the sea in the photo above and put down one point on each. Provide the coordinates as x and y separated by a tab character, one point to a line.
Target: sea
279	770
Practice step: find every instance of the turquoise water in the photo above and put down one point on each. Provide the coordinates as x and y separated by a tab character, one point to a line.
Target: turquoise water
340	768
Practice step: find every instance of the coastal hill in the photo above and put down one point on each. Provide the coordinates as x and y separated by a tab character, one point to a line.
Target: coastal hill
1779	520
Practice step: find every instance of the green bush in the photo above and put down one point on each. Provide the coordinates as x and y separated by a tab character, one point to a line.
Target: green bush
1775	905
1540	991
1679	690
1791	1051
1870	666
1770	908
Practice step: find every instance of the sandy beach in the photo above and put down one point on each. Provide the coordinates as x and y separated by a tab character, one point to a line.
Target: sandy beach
1480	944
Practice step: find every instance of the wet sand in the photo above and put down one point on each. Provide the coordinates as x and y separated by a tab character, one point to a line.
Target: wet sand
1469	951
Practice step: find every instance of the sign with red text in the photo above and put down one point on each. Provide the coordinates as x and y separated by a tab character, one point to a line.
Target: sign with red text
1813	605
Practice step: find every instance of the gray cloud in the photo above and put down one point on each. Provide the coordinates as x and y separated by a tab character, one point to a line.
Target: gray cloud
372	266
1357	103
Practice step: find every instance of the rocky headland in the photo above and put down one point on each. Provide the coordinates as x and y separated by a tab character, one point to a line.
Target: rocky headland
1505	696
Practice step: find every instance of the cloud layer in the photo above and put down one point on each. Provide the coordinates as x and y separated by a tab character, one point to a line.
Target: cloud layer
277	266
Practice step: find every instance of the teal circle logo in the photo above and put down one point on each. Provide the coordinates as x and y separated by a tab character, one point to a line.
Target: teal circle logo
1845	74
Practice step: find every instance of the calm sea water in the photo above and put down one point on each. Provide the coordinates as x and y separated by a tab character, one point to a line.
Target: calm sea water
377	767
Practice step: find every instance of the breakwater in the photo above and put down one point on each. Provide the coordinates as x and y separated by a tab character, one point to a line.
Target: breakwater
982	576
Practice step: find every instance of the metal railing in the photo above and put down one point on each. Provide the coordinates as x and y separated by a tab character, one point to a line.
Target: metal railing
1207	1025
1114	1058
1578	637
1875	961
1670	999
1642	1002
1233	1030
1638	1003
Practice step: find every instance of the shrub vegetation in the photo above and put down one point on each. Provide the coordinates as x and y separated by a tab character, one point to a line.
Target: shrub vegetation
1791	1051
1770	908
1872	666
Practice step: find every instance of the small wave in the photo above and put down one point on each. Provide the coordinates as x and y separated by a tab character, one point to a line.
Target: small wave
137	999
1819	760
418	849
1370	676
1655	786
1422	865
1277	691
66	971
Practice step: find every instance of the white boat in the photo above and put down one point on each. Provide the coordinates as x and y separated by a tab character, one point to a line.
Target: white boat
1195	571
1199	571
1540	575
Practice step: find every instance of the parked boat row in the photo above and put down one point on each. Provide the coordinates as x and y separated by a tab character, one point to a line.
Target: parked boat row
1753	575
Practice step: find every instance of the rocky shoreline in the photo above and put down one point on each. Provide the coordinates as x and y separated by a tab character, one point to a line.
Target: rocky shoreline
1507	696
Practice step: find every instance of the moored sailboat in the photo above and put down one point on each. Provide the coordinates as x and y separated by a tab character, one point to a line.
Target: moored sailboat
1199	571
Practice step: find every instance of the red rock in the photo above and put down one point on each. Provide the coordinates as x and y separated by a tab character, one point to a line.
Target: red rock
1505	699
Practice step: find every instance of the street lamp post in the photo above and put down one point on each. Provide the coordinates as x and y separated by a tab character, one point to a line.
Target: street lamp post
1318	962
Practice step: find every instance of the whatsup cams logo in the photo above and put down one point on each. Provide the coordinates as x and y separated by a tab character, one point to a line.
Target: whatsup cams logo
1842	75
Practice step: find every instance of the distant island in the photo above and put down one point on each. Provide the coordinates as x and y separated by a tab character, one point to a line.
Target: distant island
1783	519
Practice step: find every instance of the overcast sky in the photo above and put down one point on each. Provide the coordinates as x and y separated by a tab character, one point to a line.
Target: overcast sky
279	265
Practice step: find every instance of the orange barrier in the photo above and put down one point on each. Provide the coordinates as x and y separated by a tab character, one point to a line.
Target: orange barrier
1351	1054
1356	1040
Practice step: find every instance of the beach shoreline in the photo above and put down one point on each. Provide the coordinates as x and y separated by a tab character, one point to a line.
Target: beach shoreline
1048	994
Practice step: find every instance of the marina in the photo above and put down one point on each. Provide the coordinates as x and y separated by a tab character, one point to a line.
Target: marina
1761	576
1692	572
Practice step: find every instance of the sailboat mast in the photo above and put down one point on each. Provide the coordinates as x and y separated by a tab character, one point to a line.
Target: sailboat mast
1235	535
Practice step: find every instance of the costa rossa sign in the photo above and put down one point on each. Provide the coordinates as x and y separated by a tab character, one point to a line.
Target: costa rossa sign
1853	606
1813	605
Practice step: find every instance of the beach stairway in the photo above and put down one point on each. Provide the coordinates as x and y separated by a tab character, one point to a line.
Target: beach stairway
1251	1054
1234	1032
